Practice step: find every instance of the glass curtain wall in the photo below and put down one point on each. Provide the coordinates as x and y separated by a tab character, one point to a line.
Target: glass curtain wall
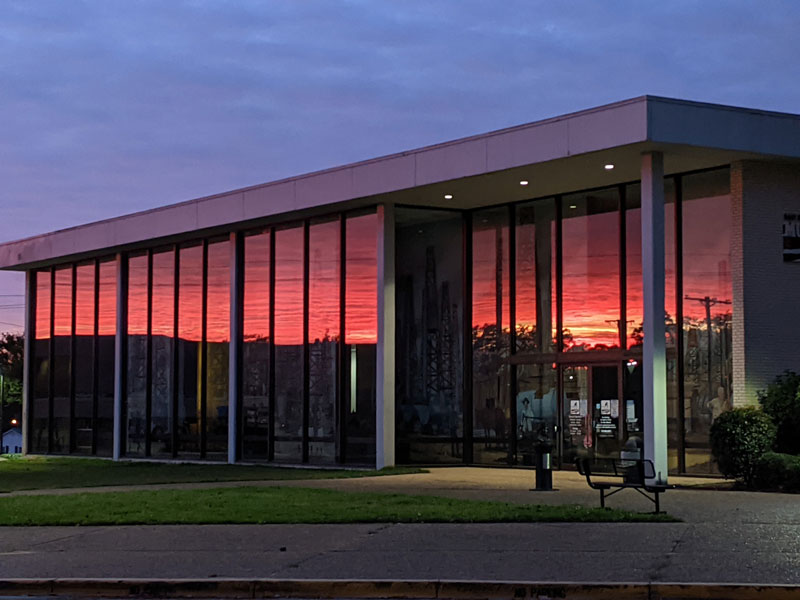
72	379
217	342
491	336
84	358
289	363
190	337
707	311
535	311
360	336
40	407
309	396
106	332
162	353
324	263
429	336
62	361
590	271
255	428
557	324
136	339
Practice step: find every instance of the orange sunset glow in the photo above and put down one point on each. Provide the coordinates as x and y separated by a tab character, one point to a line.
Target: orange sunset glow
590	270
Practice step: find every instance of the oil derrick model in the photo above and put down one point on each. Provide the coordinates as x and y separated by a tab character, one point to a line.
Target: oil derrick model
447	375
430	319
407	350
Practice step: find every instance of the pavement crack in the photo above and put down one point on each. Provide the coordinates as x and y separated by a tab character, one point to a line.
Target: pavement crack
660	566
380	528
61	539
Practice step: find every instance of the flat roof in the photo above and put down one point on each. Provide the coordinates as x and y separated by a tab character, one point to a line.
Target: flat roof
559	154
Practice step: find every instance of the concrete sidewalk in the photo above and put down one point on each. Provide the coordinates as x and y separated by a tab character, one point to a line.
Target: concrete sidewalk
726	537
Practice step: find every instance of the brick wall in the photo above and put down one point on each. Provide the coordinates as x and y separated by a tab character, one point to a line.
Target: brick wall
766	291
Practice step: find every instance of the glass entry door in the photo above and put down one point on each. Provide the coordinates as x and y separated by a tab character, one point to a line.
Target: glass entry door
537	411
592	412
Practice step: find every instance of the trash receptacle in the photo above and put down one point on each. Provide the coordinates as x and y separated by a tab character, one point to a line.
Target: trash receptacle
630	459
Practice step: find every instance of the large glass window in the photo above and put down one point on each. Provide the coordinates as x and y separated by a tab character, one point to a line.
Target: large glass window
323	338
41	366
491	335
163	348
289	344
255	353
190	325
634	301
535	275
136	397
62	360
218	313
590	271
707	310
429	336
84	358
361	335
106	331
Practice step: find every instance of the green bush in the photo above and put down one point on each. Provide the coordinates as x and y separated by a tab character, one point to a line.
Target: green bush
776	471
781	401
739	438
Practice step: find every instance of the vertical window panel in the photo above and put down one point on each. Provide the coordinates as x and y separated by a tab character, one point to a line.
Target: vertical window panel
163	344
41	367
535	277
190	325
323	338
84	362
106	330
491	329
590	271
62	359
707	310
218	313
289	344
634	301
361	324
429	336
255	352
136	395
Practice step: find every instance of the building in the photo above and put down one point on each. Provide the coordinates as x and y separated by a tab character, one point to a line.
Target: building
452	304
12	441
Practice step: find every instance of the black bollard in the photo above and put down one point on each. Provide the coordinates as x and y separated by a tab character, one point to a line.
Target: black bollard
544	468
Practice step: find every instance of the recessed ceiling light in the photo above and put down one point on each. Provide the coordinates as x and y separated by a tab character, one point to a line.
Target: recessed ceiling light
448	196
573	206
523	182
608	167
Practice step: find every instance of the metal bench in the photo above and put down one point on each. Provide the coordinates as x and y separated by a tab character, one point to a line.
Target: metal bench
628	474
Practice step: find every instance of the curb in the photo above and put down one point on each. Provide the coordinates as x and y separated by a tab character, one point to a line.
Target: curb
409	589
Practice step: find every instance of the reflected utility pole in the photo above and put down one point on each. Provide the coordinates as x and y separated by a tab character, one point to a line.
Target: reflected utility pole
708	302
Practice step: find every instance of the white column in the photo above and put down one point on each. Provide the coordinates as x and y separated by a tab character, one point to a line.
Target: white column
119	364
233	349
654	365
30	319
384	372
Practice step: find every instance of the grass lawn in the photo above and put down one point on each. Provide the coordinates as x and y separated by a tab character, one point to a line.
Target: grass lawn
285	505
51	473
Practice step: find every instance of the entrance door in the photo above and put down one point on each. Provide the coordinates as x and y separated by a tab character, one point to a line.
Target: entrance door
537	410
592	413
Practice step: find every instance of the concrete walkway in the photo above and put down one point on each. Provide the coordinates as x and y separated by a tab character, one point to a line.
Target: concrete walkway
726	536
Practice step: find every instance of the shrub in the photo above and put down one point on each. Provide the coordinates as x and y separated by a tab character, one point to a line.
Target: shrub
781	401
739	438
775	471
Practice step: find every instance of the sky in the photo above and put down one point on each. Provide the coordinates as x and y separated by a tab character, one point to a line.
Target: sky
110	107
